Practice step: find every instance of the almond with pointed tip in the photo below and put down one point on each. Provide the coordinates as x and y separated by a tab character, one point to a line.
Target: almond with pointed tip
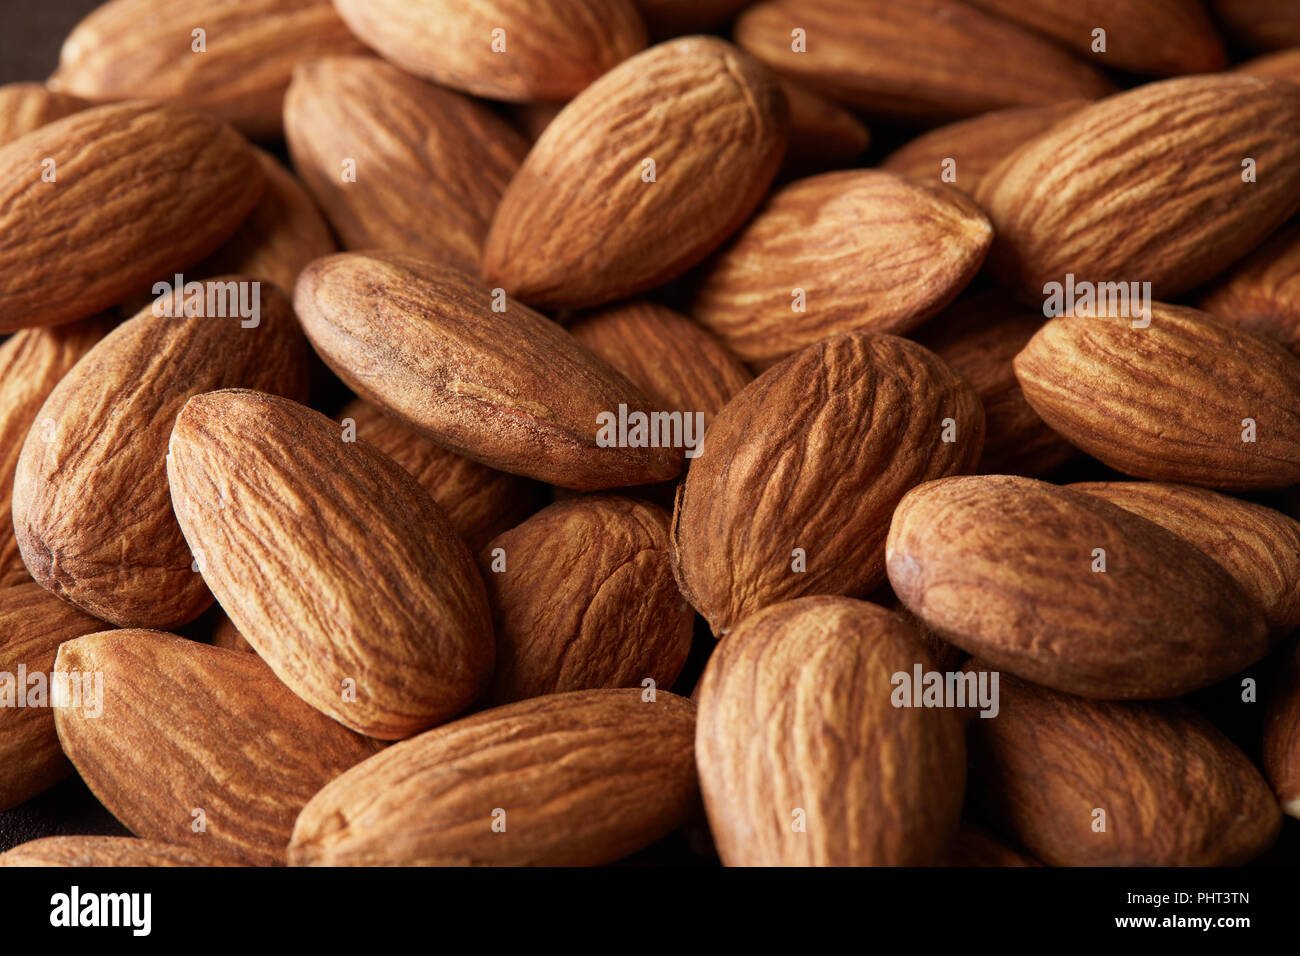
99	851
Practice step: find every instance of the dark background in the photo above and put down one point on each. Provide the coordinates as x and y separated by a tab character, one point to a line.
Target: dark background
31	32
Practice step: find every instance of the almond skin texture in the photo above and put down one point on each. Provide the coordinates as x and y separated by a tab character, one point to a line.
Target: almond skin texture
98	851
25	107
372	585
430	164
585	222
869	250
33	623
140	191
583	597
887	792
583	779
1008	568
1175	791
776	474
144	49
1262	292
1258	546
1177	401
1148	186
925	60
91	509
162	747
510	389
514	50
1282	740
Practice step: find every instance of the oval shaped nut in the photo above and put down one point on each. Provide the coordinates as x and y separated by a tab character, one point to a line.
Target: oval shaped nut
1258	546
29	106
843	251
1282	740
166	732
97	851
929	60
583	597
95	206
33	623
1183	399
398	163
1261	294
576	779
514	50
480	501
804	758
1170	789
1068	590
801	470
376	614
91	509
509	389
639	177
823	134
1150	185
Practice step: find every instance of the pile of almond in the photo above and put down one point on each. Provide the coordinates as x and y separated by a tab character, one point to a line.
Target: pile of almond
568	435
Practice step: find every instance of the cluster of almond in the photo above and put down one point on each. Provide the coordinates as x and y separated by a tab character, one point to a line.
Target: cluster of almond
818	405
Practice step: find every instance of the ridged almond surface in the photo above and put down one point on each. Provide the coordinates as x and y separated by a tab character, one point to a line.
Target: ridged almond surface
823	134
430	164
804	467
1176	401
1258	546
565	780
145	49
1262	292
1009	569
1260	24
544	50
586	599
140	191
1147	186
869	251
99	851
186	727
1175	791
91	508
924	60
585	222
803	758
25	107
1282	740
509	389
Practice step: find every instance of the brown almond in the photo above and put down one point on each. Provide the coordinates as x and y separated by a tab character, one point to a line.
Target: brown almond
823	134
662	199
225	634
1067	590
565	780
1262	292
99	851
802	469
1282	740
1283	65
25	107
1259	24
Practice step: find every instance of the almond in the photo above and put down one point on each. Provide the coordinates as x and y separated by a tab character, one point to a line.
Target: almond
788	680
621	193
397	163
237	69
1186	399
802	469
925	60
569	779
226	635
91	509
1103	783
1067	590
844	251
138	191
95	851
1262	293
1282	740
1259	24
503	49
1284	65
25	107
1151	185
509	389
823	135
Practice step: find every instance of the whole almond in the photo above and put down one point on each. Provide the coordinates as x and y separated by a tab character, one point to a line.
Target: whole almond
428	165
1259	24
376	593
569	779
117	552
509	389
1148	185
802	469
146	49
513	50
620	192
1282	740
1067	590
193	733
1173	790
1185	399
1262	292
25	107
98	851
583	597
138	191
854	250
